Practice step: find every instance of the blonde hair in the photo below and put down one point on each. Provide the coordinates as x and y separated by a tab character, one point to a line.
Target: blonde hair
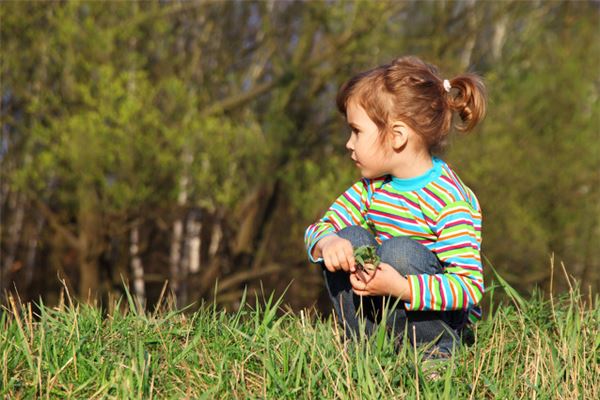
412	91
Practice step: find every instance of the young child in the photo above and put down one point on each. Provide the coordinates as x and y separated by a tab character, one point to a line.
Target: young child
423	220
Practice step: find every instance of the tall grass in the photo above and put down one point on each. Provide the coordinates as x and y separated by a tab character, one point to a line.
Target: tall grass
532	349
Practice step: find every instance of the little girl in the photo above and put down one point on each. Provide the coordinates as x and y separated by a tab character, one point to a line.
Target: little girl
410	205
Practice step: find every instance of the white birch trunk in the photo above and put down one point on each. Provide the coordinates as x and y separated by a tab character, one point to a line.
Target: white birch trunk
175	257
215	240
498	37
175	272
195	245
136	267
185	262
191	253
469	45
191	261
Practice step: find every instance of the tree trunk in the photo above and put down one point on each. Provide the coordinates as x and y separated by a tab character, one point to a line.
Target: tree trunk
184	265
32	250
14	236
469	44
213	264
195	244
250	210
215	240
499	37
176	240
191	253
88	244
4	190
137	269
266	225
89	275
175	257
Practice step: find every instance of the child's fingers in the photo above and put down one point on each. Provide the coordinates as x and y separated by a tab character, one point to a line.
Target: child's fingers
358	286
335	262
354	280
330	267
343	260
361	292
369	272
351	266
328	262
364	276
349	254
357	281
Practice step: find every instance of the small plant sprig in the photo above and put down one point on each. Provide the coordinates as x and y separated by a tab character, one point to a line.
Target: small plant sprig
366	258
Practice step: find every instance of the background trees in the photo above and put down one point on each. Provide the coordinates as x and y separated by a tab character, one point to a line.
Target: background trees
195	141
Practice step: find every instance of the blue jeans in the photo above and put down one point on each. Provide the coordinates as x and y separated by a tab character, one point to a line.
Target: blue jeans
408	257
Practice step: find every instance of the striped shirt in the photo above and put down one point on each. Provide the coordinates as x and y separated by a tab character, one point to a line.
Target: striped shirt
435	209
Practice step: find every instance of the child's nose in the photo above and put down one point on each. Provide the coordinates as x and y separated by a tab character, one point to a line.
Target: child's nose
350	144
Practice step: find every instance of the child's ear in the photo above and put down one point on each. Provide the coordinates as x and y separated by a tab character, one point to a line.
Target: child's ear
400	134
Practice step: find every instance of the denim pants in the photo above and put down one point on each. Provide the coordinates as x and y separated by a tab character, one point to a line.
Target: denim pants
442	328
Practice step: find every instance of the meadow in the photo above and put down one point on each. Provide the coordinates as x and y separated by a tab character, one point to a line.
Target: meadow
534	348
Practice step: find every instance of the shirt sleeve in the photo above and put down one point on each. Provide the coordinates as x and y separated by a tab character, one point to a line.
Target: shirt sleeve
460	285
347	210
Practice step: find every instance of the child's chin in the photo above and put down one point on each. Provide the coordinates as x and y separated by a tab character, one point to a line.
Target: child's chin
368	176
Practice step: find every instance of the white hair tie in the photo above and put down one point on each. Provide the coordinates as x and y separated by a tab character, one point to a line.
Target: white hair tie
447	85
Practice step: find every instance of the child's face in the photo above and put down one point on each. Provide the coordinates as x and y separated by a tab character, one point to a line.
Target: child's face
364	144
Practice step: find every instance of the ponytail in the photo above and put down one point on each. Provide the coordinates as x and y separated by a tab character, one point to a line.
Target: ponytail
468	100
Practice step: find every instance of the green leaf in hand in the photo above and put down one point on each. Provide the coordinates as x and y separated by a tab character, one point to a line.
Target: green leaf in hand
366	255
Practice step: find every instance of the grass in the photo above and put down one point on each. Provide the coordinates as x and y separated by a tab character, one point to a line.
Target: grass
532	349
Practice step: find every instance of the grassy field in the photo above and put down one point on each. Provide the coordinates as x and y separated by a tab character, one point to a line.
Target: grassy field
531	349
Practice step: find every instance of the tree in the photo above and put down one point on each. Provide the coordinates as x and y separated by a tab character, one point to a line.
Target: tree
195	141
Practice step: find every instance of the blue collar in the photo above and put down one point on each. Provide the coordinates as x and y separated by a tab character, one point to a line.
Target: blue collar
420	181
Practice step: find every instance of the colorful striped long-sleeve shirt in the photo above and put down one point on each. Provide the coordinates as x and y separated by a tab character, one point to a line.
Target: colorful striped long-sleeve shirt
435	209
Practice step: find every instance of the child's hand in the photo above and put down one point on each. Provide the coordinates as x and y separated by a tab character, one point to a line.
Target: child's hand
382	281
337	253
